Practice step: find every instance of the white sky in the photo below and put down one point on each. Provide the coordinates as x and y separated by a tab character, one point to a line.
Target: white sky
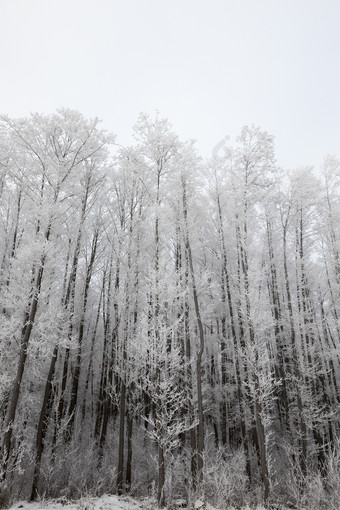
210	66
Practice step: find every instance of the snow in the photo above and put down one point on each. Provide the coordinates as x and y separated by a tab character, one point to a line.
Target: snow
108	502
87	503
105	502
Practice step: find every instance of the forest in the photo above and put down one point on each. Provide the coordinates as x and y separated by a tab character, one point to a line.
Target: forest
169	324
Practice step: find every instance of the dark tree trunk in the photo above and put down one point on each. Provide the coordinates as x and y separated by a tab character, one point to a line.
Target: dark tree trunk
42	425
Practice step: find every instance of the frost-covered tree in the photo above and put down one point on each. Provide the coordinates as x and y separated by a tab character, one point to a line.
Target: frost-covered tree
161	315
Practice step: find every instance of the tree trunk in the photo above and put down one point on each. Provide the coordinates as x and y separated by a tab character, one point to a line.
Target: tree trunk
14	397
295	360
200	435
42	425
76	372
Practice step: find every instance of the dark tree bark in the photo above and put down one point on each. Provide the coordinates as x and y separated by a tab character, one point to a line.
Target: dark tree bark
76	369
200	431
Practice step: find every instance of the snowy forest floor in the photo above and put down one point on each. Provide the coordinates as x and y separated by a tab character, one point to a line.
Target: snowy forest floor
108	502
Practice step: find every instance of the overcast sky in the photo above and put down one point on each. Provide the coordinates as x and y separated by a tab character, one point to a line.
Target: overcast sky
210	66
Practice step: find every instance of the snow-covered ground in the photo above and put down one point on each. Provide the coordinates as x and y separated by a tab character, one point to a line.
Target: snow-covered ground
86	503
103	503
107	502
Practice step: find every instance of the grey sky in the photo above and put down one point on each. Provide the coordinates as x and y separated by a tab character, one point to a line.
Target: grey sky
209	66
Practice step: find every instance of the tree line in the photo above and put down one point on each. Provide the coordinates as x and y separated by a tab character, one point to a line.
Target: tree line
168	325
